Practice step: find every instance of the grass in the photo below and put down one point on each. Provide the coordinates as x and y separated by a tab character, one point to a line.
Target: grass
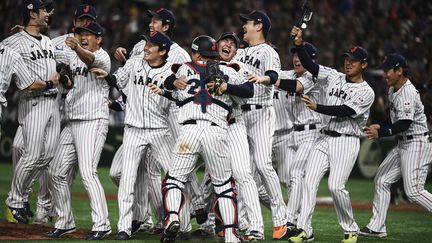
402	226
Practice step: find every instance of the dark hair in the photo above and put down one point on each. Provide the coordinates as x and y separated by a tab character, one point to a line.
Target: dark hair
264	30
160	47
405	71
169	32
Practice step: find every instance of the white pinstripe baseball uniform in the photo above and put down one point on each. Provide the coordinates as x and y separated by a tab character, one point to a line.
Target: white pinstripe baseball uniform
259	116
411	158
82	140
143	130
204	132
38	114
336	150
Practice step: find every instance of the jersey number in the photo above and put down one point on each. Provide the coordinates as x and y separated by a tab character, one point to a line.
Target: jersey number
194	84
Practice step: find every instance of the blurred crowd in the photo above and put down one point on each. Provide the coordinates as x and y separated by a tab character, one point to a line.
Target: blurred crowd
380	26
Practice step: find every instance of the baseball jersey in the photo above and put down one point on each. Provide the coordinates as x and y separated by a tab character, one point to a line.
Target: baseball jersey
144	109
282	103
38	54
176	54
12	64
62	51
215	113
88	99
299	113
405	104
259	59
237	113
340	91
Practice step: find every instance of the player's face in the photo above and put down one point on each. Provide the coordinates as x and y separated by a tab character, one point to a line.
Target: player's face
152	53
352	67
248	30
298	67
156	25
227	49
391	77
41	18
89	41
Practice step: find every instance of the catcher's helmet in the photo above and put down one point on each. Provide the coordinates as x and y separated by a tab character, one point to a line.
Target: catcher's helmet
205	45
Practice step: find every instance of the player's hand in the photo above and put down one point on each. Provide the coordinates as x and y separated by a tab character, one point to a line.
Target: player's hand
72	42
17	28
372	131
253	78
120	54
55	78
309	102
155	89
180	83
100	73
297	32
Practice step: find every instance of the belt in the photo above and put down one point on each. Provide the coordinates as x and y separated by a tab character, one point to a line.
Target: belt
409	137
194	122
232	121
305	127
334	134
54	95
248	107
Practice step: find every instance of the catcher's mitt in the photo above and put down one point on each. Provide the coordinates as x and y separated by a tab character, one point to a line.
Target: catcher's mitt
64	70
214	74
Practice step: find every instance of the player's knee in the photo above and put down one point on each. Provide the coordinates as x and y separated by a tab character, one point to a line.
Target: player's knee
264	168
335	188
413	193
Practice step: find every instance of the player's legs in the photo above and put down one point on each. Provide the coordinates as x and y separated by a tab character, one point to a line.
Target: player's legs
416	159
343	153
141	189
283	154
116	164
260	131
240	164
316	166
59	170
89	138
388	173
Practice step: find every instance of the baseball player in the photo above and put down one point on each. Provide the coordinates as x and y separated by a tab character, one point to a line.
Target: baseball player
348	100
411	157
204	119
38	113
264	65
162	20
87	109
146	119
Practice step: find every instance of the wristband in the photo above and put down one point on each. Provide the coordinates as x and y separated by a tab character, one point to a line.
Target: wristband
49	85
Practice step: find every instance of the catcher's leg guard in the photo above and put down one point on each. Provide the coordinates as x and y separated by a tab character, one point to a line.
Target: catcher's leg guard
173	199
225	209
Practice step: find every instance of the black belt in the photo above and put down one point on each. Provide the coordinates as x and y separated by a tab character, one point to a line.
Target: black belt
63	96
303	127
335	134
409	137
248	107
50	95
194	122
232	121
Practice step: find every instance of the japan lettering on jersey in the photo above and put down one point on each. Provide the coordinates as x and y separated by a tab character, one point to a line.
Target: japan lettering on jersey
258	60
12	65
405	104
340	91
299	113
38	55
193	110
176	54
144	109
88	99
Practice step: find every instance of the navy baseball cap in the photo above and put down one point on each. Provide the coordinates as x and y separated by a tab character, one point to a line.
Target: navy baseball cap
85	10
311	50
231	35
163	14
160	39
91	27
393	60
36	4
258	16
357	53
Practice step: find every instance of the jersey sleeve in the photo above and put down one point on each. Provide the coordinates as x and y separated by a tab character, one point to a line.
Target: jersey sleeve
138	49
326	74
123	73
271	61
102	60
307	81
360	100
404	107
24	76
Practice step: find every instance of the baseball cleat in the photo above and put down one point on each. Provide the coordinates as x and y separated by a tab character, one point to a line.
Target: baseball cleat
253	235
365	231
349	238
56	233
98	235
136	226
17	215
279	232
170	233
122	235
30	214
301	237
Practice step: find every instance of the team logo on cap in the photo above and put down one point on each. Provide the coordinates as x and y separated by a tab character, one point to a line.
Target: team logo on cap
353	49
194	47
86	9
30	6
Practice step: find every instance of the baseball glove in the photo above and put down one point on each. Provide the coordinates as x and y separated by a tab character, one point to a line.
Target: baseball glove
64	70
215	75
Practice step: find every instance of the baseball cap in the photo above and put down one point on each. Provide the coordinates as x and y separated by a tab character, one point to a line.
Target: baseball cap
205	45
393	60
92	27
85	10
35	4
258	16
159	39
311	50
357	53
163	14
231	35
